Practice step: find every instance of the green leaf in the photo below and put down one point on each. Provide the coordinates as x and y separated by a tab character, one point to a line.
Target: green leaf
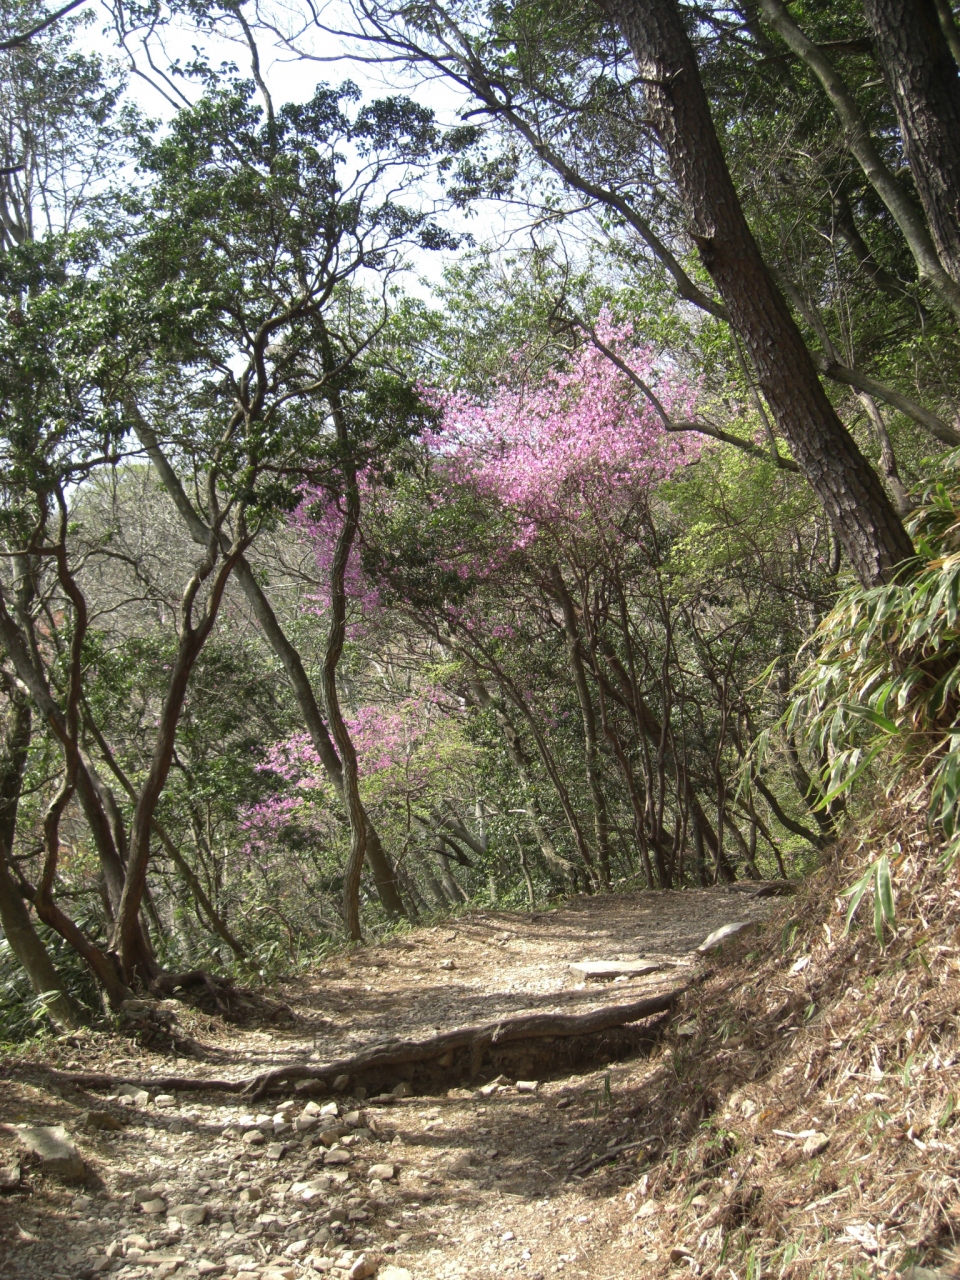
851	778
884	889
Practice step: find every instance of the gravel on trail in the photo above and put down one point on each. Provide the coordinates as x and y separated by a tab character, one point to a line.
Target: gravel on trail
487	1180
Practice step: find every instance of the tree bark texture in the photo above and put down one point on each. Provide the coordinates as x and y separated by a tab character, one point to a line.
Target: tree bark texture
924	83
191	642
864	149
384	876
859	510
356	814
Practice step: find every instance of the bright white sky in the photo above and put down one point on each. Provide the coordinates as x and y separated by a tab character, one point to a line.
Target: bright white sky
294	79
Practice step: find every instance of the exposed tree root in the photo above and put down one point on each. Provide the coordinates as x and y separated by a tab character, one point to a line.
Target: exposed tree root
213	995
468	1044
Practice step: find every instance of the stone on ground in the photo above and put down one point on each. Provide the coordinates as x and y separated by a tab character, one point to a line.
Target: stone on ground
105	1120
724	934
58	1155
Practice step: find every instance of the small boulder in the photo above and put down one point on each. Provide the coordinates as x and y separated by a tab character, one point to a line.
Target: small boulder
394	1273
366	1265
10	1176
138	1097
253	1138
528	1086
341	1084
382	1171
191	1215
337	1156
403	1090
815	1145
58	1155
154	1208
164	1100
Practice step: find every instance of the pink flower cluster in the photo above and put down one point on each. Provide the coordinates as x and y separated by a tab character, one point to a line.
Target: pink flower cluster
582	436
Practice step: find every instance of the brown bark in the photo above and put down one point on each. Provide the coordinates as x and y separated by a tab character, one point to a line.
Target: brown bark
336	636
191	641
18	928
948	25
859	510
591	755
865	151
924	83
395	1053
384	875
522	763
383	872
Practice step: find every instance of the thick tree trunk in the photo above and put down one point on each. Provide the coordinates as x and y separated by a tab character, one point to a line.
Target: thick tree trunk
862	515
924	83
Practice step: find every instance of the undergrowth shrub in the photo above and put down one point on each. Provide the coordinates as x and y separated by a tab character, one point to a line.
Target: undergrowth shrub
23	1013
883	691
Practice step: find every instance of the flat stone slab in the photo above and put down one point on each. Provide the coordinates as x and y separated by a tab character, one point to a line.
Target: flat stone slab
724	934
58	1155
600	969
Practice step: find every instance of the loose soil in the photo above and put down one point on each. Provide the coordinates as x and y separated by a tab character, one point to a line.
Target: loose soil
486	1182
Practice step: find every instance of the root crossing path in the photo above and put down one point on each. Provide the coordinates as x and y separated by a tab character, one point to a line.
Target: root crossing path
322	1145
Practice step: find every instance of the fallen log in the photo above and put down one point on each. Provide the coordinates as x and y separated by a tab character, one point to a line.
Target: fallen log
395	1053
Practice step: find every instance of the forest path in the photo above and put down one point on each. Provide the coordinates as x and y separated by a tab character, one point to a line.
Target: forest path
471	1184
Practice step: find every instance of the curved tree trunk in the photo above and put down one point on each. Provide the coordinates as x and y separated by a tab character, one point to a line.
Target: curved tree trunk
18	928
384	875
859	510
127	930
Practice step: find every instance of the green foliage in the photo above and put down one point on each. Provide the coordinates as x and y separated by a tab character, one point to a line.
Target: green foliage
884	687
877	877
23	1012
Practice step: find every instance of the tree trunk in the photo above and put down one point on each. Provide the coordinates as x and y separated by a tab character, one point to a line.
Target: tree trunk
859	510
386	881
356	814
18	928
924	83
864	149
127	930
591	754
384	877
511	736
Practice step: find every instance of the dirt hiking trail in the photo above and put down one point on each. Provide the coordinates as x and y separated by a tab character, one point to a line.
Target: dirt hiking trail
478	1165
